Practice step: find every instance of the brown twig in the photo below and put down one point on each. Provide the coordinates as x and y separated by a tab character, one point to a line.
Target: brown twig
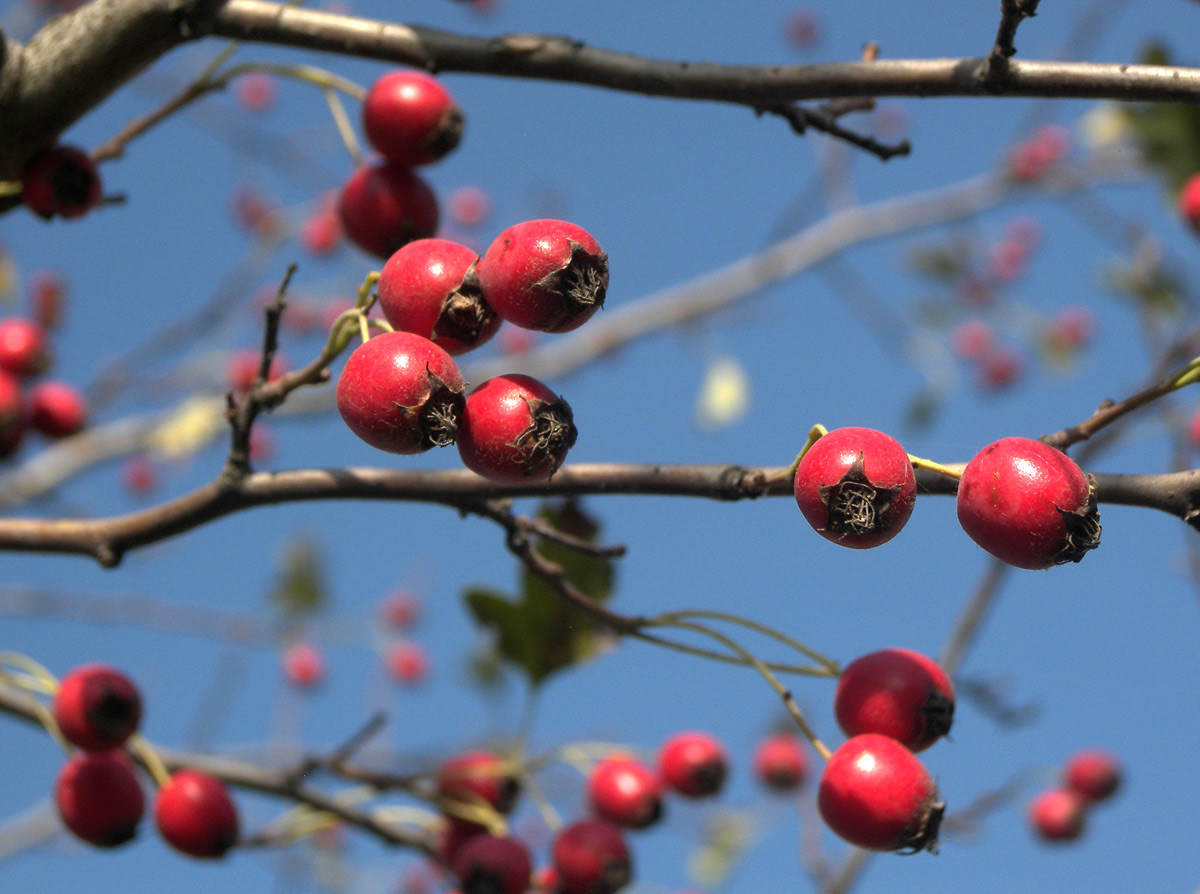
801	118
996	66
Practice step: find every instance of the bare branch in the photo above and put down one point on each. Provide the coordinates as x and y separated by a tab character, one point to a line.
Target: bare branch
1012	13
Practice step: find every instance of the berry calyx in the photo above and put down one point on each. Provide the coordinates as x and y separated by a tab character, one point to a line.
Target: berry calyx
61	181
57	409
897	693
624	791
856	487
195	815
591	857
1028	504
411	119
479	777
1094	775
99	797
515	430
97	707
401	393
487	864
693	764
875	793
1058	814
430	288
24	349
781	762
382	207
548	275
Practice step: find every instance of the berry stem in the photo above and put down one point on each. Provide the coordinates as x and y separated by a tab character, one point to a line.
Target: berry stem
815	433
345	129
149	756
954	472
778	667
32	677
829	664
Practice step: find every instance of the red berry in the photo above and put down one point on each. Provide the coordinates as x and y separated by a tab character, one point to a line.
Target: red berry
255	91
1189	202
61	181
99	797
897	693
515	430
479	777
400	608
1058	814
411	119
624	791
802	28
486	864
195	815
321	232
1071	328
401	393
856	487
548	275
591	857
408	662
303	665
57	409
430	287
97	707
1028	504
1000	367
47	295
545	879
382	207
972	339
693	764
13	415
469	206
876	794
24	351
453	836
781	761
139	475
1093	775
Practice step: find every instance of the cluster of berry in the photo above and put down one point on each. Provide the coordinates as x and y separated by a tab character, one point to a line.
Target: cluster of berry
1059	814
97	709
53	408
1023	501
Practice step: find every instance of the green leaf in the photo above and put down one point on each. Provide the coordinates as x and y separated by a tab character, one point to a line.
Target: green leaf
1169	134
300	588
538	631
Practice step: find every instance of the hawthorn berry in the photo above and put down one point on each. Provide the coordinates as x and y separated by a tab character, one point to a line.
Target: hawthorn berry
99	797
303	665
856	487
47	297
13	416
781	762
1058	814
195	815
487	864
1189	202
24	350
548	275
408	662
382	207
469	206
515	430
97	707
875	793
693	764
897	693
400	608
479	777
591	857
1092	774
411	119
1028	504
452	837
430	288
625	791
401	393
139	475
57	409
61	181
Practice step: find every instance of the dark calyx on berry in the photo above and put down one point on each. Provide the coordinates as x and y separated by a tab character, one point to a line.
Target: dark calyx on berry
550	434
1083	529
925	836
854	505
582	283
465	313
440	414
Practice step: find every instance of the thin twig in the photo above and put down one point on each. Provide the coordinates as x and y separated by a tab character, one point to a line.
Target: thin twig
801	118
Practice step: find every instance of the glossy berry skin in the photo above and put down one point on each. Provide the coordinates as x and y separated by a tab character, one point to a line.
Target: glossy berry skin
1058	814
479	777
430	288
401	393
62	181
411	119
897	693
548	275
99	797
383	207
781	762
856	487
1028	504
591	857
195	815
1189	202
624	791
515	430
57	409
24	350
875	793
13	415
97	707
1094	775
693	764
486	864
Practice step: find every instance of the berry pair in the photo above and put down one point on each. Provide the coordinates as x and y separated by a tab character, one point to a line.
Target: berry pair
53	408
1060	814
